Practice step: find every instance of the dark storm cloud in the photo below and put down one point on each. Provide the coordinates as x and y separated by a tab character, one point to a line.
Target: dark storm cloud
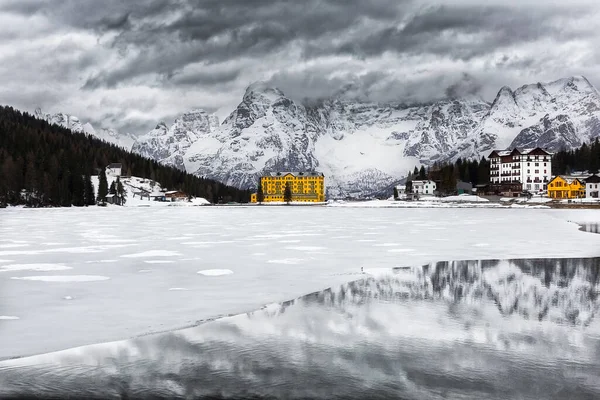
102	56
214	31
438	30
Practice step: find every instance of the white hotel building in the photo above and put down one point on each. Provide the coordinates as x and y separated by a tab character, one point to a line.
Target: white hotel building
520	170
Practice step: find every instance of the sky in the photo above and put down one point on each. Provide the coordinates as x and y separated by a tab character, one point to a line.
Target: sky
131	64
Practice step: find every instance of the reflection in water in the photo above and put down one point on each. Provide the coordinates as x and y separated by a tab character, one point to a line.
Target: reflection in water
592	228
522	329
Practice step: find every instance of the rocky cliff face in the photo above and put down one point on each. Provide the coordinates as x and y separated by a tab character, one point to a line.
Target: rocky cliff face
168	145
560	114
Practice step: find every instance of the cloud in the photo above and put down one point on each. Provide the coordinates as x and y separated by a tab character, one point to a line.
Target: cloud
136	62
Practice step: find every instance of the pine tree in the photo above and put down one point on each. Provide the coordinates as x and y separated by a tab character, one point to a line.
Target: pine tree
396	195
77	190
90	200
260	195
287	193
102	187
408	186
422	173
120	192
416	172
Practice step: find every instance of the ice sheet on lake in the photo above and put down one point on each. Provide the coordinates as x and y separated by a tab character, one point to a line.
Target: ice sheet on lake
34	267
159	262
153	253
62	278
215	272
136	300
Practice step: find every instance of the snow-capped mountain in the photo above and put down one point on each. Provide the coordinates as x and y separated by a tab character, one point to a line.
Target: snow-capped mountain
364	148
564	113
169	145
73	123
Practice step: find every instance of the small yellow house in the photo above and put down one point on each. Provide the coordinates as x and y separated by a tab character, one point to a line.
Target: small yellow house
566	187
305	187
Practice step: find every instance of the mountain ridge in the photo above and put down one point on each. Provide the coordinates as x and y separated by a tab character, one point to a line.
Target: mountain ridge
364	147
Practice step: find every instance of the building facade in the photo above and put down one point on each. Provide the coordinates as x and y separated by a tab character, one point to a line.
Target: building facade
592	187
306	187
114	169
528	170
424	187
566	187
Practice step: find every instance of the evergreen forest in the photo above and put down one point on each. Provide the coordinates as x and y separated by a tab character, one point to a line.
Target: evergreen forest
585	158
447	175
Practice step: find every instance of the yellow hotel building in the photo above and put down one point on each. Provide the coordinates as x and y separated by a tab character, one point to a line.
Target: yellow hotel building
306	187
566	187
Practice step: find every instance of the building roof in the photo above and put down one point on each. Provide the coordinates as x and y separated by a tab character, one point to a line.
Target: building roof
517	151
422	182
570	179
115	165
295	173
592	179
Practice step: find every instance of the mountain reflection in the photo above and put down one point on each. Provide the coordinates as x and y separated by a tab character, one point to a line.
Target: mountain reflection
468	329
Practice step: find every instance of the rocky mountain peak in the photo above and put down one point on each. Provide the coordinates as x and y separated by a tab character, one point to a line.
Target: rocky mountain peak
262	90
505	99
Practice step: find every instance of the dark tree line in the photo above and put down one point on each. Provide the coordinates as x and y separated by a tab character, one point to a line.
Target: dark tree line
476	172
585	158
45	165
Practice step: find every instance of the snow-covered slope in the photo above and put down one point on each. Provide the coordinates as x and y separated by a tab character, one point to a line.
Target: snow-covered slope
134	184
73	123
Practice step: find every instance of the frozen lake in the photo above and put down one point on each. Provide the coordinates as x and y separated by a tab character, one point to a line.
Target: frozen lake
80	276
513	329
73	277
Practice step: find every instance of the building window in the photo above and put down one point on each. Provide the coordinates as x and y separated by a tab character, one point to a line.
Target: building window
537	164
